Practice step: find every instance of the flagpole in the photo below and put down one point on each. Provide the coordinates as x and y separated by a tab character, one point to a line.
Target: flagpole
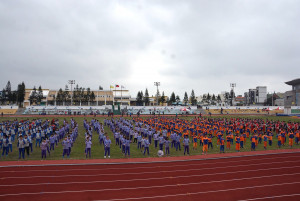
121	94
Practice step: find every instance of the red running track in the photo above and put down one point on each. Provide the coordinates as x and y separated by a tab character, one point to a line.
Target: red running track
264	177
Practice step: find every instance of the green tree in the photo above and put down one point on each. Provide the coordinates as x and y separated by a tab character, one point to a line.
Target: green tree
92	97
60	97
139	98
33	96
208	98
162	99
193	98
40	95
146	97
219	99
172	98
177	99
185	98
20	93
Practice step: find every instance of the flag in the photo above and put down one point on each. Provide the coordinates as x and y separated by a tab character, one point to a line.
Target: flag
117	85
111	86
122	87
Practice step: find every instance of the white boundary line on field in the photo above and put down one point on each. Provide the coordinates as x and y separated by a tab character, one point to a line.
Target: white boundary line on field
146	167
271	197
150	172
153	178
151	187
146	162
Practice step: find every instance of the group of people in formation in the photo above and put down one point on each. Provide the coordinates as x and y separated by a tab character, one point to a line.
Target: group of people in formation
176	133
37	134
103	138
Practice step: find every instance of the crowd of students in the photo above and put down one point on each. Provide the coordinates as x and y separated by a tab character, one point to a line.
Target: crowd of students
169	133
46	135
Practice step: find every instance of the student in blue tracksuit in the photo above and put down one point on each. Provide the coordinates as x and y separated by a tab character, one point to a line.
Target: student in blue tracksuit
5	145
177	139
127	147
107	143
21	145
139	141
186	144
88	146
161	142
167	146
146	142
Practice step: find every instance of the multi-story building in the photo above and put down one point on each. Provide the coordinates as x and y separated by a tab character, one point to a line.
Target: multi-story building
292	98
261	95
70	98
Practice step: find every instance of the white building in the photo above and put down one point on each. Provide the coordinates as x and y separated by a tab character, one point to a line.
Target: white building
261	95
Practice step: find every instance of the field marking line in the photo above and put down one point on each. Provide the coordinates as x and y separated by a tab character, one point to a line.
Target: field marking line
151	187
153	178
271	197
87	169
234	156
137	173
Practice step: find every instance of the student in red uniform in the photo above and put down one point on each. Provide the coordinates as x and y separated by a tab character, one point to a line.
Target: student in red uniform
237	142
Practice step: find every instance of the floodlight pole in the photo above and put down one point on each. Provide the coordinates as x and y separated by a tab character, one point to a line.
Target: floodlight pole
71	82
157	84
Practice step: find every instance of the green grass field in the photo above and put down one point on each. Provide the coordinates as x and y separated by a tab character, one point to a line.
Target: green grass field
98	151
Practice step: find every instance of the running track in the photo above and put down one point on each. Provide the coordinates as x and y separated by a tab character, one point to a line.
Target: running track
260	177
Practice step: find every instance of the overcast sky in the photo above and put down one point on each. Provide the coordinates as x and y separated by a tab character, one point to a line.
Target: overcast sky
184	44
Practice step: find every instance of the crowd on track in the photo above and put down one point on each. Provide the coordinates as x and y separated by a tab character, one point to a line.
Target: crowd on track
46	135
175	133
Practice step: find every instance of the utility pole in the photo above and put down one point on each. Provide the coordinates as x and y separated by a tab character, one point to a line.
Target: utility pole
71	82
157	84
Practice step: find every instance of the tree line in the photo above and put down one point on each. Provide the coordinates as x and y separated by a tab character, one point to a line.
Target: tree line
9	96
144	99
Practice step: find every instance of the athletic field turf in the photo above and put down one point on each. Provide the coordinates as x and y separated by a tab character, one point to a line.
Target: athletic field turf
98	151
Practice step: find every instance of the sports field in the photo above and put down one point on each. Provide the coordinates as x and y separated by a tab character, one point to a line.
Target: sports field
244	176
98	151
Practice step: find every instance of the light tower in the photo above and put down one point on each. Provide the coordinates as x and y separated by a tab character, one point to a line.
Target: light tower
71	82
157	84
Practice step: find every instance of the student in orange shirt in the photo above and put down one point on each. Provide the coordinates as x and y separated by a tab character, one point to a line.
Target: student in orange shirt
210	141
237	142
265	138
242	139
205	144
195	139
291	138
228	139
279	140
297	137
253	141
270	136
222	142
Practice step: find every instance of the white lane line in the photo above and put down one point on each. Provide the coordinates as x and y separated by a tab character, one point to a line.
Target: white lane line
151	187
149	167
272	197
154	178
138	173
201	192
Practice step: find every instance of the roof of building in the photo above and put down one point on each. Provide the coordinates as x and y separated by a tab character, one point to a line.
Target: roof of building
293	82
